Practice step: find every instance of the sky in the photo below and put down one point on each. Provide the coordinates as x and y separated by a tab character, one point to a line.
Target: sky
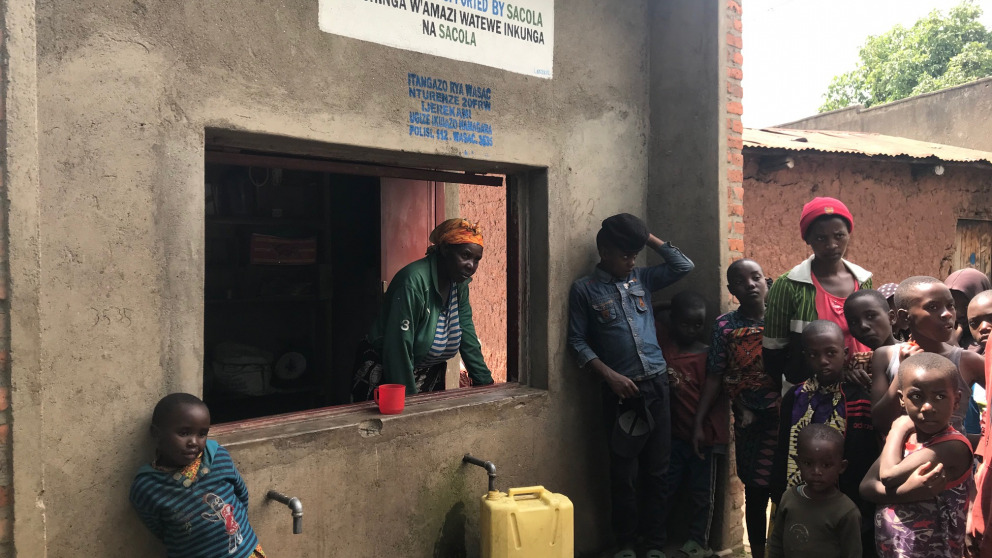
793	48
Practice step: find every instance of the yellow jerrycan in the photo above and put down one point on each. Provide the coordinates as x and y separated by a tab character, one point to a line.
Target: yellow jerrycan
527	522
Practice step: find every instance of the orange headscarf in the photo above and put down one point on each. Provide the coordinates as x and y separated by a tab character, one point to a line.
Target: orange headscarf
456	231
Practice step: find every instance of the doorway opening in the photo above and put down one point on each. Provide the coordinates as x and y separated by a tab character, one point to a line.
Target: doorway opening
298	253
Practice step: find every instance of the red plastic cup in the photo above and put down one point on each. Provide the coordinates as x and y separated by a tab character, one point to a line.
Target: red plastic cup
390	398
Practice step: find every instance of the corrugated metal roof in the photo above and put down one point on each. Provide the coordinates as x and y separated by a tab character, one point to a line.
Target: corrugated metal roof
860	143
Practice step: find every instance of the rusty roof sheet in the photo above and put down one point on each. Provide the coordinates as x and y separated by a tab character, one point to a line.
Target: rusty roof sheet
860	143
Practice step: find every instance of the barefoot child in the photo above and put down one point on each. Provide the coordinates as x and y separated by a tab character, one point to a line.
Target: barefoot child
922	525
191	496
735	363
686	358
814	518
927	306
826	399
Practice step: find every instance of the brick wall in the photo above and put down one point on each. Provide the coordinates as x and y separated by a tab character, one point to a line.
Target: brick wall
6	465
732	529
735	141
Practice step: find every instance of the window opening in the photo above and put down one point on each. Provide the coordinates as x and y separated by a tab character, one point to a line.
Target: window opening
297	257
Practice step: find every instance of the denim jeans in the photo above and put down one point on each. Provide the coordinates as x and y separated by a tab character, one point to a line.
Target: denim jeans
651	465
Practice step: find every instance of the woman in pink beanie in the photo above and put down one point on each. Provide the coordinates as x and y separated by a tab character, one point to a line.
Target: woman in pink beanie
814	290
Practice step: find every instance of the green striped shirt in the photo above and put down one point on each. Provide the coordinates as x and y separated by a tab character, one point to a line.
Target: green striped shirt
792	302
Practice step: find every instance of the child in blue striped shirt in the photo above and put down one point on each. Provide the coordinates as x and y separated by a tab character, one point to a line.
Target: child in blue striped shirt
191	496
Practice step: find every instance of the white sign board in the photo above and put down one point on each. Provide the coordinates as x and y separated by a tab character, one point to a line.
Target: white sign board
517	36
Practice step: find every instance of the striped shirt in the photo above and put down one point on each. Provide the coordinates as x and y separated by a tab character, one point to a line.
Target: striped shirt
207	519
792	302
447	334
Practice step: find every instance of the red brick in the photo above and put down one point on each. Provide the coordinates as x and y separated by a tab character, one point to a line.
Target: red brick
737	209
738	192
6	531
735	108
735	142
732	5
734	41
5	494
734	175
4	435
738	25
735	73
735	159
737	126
735	90
736	244
739	58
739	228
4	400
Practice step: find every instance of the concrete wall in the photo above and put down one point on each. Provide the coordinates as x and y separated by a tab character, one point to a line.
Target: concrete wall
111	100
694	198
688	167
955	116
903	226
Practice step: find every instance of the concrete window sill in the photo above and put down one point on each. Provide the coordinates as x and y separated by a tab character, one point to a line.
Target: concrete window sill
366	414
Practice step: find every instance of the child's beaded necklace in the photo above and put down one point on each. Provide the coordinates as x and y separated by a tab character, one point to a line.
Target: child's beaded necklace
186	475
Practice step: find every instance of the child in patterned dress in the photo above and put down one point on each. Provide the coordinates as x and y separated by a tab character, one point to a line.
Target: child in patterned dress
191	496
914	518
735	367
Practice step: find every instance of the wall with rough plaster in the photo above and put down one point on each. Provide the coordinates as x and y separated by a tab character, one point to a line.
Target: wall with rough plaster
112	103
903	226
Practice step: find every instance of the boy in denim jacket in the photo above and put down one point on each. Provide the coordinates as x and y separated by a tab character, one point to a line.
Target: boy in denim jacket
612	333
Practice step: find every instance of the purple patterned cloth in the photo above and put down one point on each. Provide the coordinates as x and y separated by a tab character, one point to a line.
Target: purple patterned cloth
933	528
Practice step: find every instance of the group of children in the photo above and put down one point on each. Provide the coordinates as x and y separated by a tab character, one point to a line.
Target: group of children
865	457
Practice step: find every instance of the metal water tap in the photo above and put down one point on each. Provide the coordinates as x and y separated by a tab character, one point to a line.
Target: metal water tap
489	466
295	505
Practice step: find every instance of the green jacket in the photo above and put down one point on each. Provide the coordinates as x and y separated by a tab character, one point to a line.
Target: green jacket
404	330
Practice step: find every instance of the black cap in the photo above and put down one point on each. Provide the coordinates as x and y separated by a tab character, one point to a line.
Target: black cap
624	231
